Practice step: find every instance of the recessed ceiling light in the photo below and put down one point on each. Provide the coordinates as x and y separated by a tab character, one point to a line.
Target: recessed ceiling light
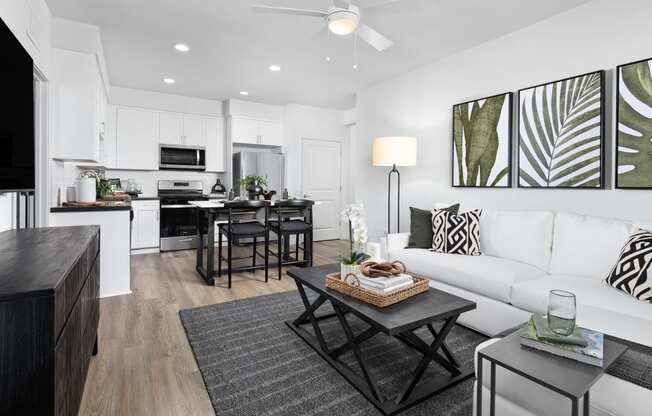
182	47
244	93
169	80
274	68
355	66
328	59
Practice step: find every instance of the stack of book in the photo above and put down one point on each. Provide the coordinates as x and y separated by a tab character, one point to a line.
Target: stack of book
386	285
583	345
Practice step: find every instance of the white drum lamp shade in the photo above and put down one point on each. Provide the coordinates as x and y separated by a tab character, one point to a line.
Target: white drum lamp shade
394	151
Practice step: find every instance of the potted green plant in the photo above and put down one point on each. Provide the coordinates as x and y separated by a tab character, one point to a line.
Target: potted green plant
354	214
254	185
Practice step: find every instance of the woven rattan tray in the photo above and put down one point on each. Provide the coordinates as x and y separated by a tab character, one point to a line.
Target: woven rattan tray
334	282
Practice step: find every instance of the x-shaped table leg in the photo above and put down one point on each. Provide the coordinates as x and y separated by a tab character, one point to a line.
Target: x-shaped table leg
430	353
310	313
354	345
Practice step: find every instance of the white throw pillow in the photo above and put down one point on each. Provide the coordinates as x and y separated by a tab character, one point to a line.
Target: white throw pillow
523	236
587	246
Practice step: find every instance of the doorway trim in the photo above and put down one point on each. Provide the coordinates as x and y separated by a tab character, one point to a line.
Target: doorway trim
42	148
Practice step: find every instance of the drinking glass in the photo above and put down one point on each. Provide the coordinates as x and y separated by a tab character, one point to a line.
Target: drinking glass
561	312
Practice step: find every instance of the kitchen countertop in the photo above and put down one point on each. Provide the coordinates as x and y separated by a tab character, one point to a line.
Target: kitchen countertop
106	206
146	198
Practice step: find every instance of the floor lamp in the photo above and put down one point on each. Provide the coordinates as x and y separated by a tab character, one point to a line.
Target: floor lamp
394	151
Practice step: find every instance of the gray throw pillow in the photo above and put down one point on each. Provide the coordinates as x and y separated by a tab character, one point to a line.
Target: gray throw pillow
421	226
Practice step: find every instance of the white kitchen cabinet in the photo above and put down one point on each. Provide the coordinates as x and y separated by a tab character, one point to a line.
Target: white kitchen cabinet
270	133
193	131
79	105
137	139
170	128
244	130
215	146
253	131
145	228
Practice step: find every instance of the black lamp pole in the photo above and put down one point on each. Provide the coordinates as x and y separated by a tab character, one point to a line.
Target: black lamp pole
398	200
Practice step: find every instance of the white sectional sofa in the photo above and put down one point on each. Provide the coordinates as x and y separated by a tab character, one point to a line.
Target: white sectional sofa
525	255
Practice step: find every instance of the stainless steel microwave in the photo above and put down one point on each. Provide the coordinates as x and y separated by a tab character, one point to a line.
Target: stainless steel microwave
179	157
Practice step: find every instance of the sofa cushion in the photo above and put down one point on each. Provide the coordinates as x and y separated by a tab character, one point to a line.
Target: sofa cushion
456	234
421	226
533	296
633	271
486	275
524	236
587	246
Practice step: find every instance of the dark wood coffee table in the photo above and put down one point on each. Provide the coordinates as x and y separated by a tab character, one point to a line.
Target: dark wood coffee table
398	321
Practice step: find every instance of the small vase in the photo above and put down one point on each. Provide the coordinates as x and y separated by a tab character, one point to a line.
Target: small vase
345	269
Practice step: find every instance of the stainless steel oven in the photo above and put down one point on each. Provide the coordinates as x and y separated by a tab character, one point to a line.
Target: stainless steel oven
178	157
178	216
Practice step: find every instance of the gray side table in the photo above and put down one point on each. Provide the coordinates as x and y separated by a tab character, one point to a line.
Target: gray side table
567	377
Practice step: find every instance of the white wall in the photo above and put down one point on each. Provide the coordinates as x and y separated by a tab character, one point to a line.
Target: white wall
304	122
597	35
165	102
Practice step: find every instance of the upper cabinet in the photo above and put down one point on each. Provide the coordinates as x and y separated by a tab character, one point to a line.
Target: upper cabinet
181	129
193	131
170	128
137	141
79	106
270	133
244	130
254	131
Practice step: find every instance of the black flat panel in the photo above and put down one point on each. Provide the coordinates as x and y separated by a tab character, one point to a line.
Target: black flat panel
16	114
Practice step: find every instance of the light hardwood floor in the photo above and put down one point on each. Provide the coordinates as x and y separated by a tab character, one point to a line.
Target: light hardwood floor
145	365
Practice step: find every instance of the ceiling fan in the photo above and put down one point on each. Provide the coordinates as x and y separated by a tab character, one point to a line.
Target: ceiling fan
342	18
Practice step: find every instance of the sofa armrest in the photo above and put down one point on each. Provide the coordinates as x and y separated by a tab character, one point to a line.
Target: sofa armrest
396	242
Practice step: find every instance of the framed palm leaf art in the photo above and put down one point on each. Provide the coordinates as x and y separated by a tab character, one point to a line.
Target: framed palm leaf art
634	114
482	131
561	133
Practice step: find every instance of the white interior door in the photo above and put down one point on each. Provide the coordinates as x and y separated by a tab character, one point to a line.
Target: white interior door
322	183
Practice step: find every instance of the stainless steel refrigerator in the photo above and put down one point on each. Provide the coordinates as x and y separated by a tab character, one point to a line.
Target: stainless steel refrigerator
271	165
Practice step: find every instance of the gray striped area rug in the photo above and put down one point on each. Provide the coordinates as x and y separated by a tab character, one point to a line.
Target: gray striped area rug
253	364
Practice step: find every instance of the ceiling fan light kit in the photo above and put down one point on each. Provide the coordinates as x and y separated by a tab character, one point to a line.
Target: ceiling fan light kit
343	18
343	22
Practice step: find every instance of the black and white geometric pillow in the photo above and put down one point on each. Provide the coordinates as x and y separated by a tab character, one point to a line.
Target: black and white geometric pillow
456	234
633	272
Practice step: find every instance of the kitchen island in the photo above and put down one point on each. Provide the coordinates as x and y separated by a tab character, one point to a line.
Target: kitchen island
114	219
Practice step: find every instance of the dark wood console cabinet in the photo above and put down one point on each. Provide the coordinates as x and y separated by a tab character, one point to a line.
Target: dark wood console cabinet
49	313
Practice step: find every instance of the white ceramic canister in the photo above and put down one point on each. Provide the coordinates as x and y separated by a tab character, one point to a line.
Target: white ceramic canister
87	191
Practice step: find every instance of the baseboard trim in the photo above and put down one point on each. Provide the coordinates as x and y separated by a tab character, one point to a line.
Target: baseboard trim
110	295
138	251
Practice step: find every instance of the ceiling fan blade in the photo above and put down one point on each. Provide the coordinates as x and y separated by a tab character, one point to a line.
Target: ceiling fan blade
373	38
287	10
379	4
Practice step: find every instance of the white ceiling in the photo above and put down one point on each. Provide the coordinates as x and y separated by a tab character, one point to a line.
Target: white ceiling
232	47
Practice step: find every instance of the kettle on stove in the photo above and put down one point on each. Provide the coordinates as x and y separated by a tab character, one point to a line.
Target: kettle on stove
218	188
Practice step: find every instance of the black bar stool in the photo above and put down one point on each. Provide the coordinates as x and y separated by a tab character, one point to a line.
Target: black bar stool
293	217
235	230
